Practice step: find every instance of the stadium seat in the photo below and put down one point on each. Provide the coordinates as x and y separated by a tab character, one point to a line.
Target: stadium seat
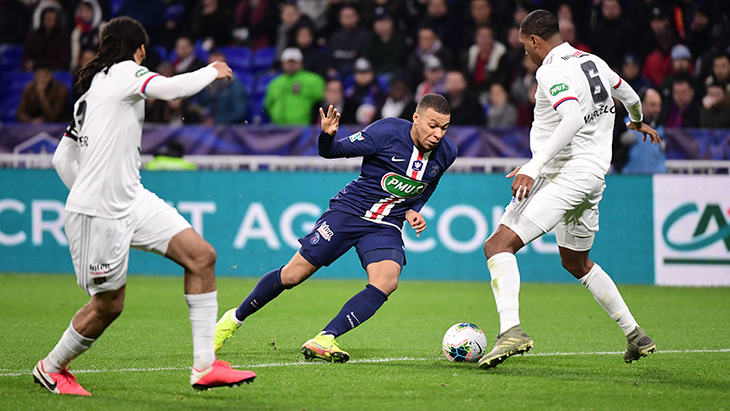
264	58
248	81
66	78
161	51
262	82
115	5
239	58
10	55
201	52
9	107
256	112
16	81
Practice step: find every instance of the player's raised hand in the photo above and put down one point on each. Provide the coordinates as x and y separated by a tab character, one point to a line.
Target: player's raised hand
416	220
330	121
224	72
645	129
521	185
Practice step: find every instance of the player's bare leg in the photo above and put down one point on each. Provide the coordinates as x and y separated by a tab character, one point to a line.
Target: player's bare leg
500	249
607	295
87	325
198	258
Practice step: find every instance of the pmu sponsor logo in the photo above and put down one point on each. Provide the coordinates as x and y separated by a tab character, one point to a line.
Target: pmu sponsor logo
401	186
710	226
558	88
97	269
598	113
577	53
325	231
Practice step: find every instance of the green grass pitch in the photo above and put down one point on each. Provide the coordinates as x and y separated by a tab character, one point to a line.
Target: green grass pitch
143	359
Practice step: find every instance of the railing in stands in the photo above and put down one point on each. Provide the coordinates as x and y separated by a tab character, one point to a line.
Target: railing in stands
294	163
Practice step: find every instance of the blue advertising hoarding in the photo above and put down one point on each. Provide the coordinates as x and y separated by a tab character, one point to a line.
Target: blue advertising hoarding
253	219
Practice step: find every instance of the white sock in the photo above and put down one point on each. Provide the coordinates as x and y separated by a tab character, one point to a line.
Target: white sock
203	313
234	318
506	289
71	345
605	292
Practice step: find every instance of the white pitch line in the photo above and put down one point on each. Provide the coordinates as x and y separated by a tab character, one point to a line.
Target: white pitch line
11	373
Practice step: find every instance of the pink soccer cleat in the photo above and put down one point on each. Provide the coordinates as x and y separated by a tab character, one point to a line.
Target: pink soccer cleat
58	383
220	374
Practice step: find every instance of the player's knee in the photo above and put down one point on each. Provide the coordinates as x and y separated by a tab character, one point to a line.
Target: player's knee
110	310
491	248
204	259
578	268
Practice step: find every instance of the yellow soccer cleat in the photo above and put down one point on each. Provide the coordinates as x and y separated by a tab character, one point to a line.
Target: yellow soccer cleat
324	347
514	341
224	329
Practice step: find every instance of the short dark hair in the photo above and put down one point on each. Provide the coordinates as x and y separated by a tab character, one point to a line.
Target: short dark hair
437	102
540	23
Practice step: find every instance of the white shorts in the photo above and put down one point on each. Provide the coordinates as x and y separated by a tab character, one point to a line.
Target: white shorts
100	246
567	202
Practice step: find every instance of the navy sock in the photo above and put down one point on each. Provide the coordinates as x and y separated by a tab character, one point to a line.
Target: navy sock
356	311
268	288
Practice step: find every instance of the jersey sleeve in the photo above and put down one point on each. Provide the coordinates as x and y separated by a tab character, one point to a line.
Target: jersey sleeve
362	143
555	83
134	80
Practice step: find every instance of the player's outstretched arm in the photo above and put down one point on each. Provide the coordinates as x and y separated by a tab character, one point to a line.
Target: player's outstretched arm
330	121
187	84
416	220
645	129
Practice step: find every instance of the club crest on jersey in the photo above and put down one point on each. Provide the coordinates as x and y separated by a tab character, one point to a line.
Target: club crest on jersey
558	88
325	231
434	170
314	239
401	186
417	165
141	72
356	137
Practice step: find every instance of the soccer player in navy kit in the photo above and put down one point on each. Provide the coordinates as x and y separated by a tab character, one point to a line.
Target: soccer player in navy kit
402	164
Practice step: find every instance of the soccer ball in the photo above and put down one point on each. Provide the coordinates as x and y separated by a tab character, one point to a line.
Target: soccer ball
464	342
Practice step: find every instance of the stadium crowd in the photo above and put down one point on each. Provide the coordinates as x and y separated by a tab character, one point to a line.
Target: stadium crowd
370	58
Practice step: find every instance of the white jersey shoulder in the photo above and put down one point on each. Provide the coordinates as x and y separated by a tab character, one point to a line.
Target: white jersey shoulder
107	126
571	74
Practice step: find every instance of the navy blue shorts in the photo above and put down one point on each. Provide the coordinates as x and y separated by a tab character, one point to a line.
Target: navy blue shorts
336	232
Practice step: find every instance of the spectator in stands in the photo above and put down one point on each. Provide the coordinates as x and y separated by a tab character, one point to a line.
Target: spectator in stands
223	102
526	110
681	66
172	26
291	94
14	20
170	157
715	112
520	87
174	113
465	107
186	60
484	61
720	71
613	36
631	72
501	112
434	78
45	99
334	95
512	59
348	43
85	35
290	20
86	56
683	109
365	91
212	23
50	42
428	44
480	14
399	103
254	23
645	158
315	58
445	22
567	32
720	34
658	23
658	64
699	35
386	49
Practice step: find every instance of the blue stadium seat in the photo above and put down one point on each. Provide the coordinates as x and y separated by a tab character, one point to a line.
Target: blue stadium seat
264	58
66	78
262	82
161	51
16	81
239	58
10	103
248	81
116	5
201	52
256	112
10	55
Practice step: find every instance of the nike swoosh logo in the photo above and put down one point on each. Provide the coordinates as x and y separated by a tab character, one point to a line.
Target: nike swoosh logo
393	159
50	384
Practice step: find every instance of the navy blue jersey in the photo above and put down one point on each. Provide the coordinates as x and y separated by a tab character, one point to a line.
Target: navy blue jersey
395	177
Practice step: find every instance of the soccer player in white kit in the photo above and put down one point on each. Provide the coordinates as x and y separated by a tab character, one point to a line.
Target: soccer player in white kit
108	210
561	186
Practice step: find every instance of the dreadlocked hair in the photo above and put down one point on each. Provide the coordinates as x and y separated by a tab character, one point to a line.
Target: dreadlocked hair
120	39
